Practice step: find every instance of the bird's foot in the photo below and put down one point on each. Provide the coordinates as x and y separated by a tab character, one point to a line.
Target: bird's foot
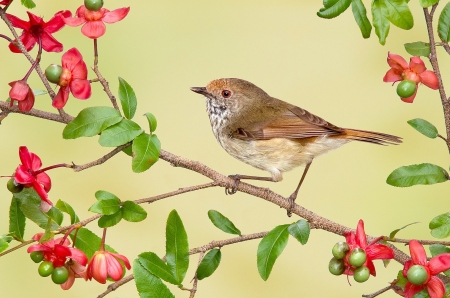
233	190
291	200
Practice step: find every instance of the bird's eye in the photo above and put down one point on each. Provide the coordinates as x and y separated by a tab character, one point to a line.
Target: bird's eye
226	93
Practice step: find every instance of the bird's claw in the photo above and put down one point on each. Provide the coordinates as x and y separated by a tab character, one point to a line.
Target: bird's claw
233	190
291	200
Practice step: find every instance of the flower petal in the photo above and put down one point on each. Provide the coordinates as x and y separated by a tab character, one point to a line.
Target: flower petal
115	15
393	75
97	268
19	90
439	263
429	79
350	238
80	89
61	98
411	290
78	256
70	280
417	252
28	103
25	156
22	176
93	29
123	259
18	23
361	234
406	267
57	22
115	270
50	44
79	71
397	61
379	251
71	58
436	288
416	64
74	22
41	192
38	247
371	267
44	180
62	251
411	98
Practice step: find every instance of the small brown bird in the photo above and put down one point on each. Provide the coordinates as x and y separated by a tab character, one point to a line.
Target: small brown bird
271	134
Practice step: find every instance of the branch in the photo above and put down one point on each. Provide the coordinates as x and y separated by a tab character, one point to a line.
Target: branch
25	243
100	160
423	242
4	106
377	293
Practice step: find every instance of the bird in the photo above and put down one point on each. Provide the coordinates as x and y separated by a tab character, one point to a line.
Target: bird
270	134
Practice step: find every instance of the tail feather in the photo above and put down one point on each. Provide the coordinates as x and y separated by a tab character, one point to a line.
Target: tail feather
371	137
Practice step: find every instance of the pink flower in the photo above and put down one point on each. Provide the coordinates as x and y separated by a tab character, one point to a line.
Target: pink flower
76	270
22	93
58	251
436	265
415	72
93	21
73	79
36	29
106	264
29	175
373	251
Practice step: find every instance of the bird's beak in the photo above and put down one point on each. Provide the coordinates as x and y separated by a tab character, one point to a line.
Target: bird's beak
201	90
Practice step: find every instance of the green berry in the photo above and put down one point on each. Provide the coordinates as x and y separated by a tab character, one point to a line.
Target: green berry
417	275
37	256
13	186
53	73
340	249
60	275
45	269
336	266
406	88
361	274
357	257
93	5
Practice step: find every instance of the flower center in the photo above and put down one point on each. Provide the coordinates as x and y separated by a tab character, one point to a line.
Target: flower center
36	31
90	15
412	76
65	78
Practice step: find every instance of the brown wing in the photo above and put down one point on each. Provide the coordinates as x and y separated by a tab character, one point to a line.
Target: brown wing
297	123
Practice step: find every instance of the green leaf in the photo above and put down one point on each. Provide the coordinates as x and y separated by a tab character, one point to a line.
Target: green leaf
132	212
29	204
65	207
394	232
427	3
399	14
270	248
4	242
152	123
28	4
148	285
418	48
380	20
334	10
177	247
120	133
329	3
146	150
91	121
16	220
300	231
56	215
444	23
209	263
38	92
107	203
152	263
48	233
128	150
401	280
424	127
223	223
107	221
424	173
127	98
440	226
360	14
88	242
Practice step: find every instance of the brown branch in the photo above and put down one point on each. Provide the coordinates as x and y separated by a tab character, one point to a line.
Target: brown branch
101	160
423	242
36	113
25	243
112	287
434	63
377	293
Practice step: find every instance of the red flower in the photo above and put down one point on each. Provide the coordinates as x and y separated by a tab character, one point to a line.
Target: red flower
76	270
36	29
106	264
373	251
29	175
73	79
57	251
93	21
6	2
415	72
21	92
436	265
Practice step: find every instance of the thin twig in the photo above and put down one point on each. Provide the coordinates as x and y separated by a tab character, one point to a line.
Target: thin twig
377	293
25	243
423	242
101	160
35	113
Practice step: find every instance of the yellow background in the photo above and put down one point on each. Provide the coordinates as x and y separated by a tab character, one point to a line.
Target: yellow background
164	47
